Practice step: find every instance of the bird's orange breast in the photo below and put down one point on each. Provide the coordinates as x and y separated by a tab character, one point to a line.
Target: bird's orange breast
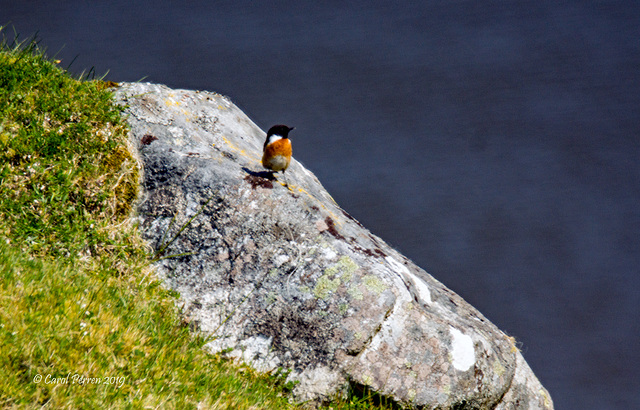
277	155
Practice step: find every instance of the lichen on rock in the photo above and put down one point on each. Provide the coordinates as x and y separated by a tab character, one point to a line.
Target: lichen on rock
280	276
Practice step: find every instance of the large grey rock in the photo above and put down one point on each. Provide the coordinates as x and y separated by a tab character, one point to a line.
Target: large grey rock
282	277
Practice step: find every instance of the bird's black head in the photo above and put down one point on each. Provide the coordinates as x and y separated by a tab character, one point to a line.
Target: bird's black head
281	130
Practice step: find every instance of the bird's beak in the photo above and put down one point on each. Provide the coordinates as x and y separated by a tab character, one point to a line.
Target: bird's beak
291	128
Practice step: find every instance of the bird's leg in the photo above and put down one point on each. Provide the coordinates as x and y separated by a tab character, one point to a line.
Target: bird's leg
285	180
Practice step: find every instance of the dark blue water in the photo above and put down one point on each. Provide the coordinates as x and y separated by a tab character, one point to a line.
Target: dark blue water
497	144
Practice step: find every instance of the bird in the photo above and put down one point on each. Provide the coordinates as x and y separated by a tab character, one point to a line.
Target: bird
276	154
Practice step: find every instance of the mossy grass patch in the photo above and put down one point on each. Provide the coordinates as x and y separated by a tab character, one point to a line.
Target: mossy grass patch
83	324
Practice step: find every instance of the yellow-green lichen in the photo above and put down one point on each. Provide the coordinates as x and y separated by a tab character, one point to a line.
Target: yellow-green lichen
271	298
374	284
345	265
343	308
355	293
325	286
545	397
330	281
498	368
346	277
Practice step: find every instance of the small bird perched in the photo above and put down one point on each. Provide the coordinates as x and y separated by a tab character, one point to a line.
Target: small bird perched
277	149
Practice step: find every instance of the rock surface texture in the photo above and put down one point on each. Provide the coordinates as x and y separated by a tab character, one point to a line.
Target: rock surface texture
283	277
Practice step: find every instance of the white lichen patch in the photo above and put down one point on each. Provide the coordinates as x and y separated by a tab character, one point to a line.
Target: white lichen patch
327	251
315	382
420	286
256	351
397	266
463	355
422	289
280	260
178	135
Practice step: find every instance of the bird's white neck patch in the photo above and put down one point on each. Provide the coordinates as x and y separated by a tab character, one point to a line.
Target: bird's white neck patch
273	138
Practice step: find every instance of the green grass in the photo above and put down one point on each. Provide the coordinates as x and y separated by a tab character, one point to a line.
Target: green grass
77	296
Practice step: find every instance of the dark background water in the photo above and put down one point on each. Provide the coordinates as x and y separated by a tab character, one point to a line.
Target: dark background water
495	143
